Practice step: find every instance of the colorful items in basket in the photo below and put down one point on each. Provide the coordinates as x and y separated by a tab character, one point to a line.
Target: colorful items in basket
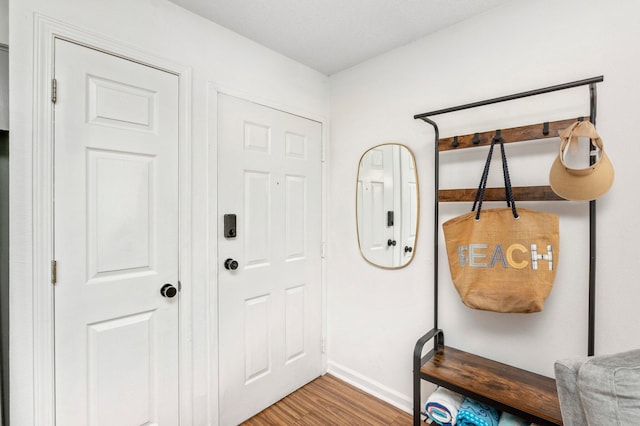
508	419
443	405
474	413
448	408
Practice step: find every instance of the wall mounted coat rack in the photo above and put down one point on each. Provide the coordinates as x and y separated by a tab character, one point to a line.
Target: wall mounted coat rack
528	395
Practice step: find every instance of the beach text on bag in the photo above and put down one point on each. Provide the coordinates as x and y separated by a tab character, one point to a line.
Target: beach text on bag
475	256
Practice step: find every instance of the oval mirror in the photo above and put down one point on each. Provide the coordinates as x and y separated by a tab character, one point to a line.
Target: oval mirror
387	205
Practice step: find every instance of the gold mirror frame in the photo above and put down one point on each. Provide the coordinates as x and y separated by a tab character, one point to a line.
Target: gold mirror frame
387	205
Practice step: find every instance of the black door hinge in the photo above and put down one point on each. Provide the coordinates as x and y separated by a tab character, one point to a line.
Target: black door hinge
54	272
54	90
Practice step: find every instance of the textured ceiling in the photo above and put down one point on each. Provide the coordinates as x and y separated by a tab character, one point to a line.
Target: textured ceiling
332	35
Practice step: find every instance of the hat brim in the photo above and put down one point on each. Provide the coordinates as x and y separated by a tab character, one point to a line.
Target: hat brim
569	184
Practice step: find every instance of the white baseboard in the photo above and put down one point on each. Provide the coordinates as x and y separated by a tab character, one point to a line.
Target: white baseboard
372	387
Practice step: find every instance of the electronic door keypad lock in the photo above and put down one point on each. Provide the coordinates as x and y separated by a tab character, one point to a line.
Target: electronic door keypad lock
230	264
230	226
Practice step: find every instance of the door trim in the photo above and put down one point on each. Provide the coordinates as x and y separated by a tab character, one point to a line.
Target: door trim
46	31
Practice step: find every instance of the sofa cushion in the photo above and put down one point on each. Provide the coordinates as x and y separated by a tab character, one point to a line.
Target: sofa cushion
609	388
566	372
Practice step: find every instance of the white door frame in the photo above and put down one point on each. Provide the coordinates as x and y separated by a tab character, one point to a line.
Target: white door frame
47	30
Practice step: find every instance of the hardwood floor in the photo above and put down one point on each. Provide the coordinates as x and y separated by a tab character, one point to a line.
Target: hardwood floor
329	401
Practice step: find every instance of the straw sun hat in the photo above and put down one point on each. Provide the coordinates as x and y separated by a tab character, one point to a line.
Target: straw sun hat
582	184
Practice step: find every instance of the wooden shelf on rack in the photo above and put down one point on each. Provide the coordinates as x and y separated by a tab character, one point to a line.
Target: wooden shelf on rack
521	193
512	134
528	395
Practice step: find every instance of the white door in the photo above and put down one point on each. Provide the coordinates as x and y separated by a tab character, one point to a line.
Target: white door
116	240
408	204
379	238
269	168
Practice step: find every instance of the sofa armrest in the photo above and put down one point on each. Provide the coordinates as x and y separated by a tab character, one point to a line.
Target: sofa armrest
566	372
609	387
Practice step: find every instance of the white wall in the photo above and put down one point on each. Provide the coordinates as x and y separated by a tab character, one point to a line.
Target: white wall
218	59
4	22
375	316
4	88
4	67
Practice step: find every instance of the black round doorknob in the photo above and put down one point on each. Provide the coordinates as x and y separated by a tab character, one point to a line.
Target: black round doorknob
391	242
168	290
230	264
408	249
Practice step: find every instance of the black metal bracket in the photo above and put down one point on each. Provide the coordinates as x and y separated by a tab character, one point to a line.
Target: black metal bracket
418	361
545	128
520	95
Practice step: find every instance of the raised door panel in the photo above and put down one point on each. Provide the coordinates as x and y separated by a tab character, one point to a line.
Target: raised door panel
295	217
121	225
256	223
119	374
257	324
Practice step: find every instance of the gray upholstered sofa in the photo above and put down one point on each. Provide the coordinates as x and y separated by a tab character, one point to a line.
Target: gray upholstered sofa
601	390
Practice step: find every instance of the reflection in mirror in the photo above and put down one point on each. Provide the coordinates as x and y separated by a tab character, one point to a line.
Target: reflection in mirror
387	205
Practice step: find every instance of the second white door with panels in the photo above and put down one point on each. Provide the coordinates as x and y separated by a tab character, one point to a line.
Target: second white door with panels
269	195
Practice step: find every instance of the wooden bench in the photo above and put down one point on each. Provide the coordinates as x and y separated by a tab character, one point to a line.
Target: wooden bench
528	395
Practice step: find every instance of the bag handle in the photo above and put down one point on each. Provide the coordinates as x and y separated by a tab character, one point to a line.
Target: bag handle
511	202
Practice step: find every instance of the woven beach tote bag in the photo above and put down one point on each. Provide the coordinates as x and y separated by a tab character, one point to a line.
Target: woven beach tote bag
502	259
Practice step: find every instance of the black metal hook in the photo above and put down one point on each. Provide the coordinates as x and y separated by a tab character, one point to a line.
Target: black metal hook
455	142
545	128
476	139
498	136
580	118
